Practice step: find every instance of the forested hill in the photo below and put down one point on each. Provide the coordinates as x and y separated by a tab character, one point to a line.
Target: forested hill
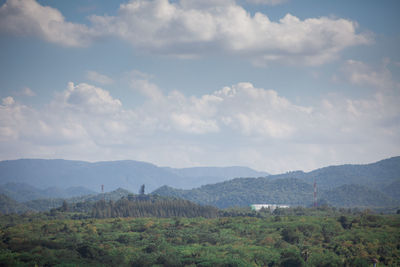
246	191
22	192
290	191
378	175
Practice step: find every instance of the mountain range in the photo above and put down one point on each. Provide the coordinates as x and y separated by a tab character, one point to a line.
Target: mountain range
43	184
371	185
64	174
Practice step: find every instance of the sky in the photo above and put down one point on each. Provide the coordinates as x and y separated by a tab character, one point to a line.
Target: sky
275	85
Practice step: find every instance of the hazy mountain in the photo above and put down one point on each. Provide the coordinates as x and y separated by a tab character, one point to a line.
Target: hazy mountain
378	175
112	174
370	185
198	176
24	192
51	203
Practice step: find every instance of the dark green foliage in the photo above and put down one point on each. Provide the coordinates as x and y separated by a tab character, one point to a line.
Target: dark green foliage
291	258
26	240
290	235
344	221
151	206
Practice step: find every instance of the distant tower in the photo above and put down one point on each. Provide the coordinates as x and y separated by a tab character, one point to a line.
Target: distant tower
315	194
102	188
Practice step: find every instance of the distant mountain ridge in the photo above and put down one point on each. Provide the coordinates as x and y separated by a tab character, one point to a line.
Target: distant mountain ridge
22	192
370	185
126	174
9	205
376	175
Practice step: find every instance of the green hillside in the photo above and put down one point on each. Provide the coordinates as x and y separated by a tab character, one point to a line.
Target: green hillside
357	196
378	175
246	191
290	191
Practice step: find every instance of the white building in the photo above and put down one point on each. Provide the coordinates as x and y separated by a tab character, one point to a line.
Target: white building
271	207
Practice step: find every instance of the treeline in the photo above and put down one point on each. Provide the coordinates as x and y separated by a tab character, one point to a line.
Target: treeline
151	206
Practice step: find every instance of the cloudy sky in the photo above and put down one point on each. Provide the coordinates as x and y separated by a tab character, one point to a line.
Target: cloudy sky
276	85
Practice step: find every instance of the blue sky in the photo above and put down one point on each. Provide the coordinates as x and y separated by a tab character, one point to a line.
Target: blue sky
270	84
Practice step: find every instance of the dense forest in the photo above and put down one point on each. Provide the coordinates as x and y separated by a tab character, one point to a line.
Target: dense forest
151	206
290	191
290	237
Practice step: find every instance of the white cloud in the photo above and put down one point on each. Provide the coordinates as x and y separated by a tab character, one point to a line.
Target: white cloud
178	29
191	124
192	28
99	78
26	91
359	73
140	81
8	101
88	98
267	2
239	124
27	17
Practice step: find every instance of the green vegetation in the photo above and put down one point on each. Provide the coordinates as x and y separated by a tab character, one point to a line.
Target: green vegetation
246	191
8	205
291	191
150	206
327	238
81	203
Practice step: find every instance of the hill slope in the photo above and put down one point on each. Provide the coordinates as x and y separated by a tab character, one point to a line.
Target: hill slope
22	192
112	174
357	196
370	185
376	175
198	176
246	191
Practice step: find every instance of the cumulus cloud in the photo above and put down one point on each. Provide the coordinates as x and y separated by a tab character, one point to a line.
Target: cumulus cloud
99	78
238	124
141	82
27	17
179	29
362	74
193	28
88	98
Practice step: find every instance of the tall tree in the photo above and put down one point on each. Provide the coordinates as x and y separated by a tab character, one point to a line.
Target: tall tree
141	191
